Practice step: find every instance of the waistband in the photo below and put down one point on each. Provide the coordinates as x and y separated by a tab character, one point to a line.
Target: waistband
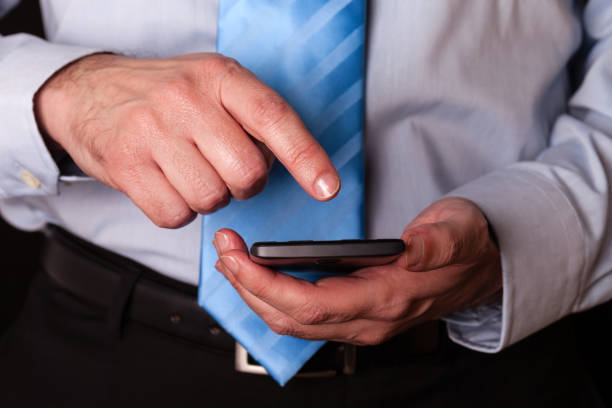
129	290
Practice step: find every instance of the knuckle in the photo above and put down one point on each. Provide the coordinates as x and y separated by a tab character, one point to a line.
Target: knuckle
223	64
259	289
172	217
124	157
394	302
282	326
253	179
178	91
269	109
212	200
97	149
395	312
231	66
311	314
139	120
301	156
222	68
172	221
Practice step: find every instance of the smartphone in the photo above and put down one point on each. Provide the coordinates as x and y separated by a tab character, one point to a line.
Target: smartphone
326	255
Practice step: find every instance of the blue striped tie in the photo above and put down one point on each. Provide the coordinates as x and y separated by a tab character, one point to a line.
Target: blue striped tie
312	53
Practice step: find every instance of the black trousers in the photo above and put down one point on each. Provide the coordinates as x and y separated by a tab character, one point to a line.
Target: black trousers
62	352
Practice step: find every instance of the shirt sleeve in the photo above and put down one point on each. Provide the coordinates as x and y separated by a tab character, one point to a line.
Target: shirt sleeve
26	62
552	215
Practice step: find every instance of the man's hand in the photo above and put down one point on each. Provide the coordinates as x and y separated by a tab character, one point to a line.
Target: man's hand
450	263
179	136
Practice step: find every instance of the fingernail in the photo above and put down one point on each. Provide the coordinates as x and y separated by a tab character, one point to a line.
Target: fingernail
230	263
414	251
327	185
220	241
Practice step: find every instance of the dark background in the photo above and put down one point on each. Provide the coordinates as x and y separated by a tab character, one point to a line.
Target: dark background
20	253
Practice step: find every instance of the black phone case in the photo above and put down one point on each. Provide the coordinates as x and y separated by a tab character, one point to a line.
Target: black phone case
332	255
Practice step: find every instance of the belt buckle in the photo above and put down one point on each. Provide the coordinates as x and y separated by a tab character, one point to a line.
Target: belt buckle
242	364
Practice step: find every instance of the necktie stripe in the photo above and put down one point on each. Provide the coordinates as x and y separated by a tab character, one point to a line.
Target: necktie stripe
239	314
298	61
294	44
339	54
350	97
223	295
318	20
349	150
326	91
212	286
347	123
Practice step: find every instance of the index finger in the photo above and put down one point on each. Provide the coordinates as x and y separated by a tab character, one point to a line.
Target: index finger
329	300
270	119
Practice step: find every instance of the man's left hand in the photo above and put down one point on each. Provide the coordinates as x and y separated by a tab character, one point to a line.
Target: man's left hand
450	263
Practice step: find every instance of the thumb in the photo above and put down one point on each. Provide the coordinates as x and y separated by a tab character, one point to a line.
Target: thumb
435	245
227	240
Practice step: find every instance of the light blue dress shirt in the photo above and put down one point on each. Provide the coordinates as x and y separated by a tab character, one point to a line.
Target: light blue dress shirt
463	97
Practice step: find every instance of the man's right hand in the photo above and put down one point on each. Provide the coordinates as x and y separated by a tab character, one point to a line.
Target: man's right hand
179	136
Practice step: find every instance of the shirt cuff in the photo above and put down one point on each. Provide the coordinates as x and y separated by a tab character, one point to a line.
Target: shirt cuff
26	62
542	252
478	328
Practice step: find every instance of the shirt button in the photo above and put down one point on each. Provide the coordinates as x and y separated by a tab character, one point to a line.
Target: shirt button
29	179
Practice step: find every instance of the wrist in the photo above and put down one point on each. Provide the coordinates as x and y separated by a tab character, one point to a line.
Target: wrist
56	102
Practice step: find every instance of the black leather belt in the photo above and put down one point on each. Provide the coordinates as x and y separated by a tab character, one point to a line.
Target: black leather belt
101	277
129	290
